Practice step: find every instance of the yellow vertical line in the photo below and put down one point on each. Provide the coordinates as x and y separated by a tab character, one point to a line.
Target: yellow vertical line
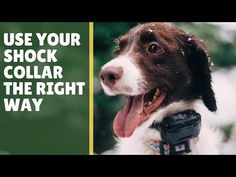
91	124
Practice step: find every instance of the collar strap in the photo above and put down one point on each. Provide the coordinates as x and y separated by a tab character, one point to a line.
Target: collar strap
159	147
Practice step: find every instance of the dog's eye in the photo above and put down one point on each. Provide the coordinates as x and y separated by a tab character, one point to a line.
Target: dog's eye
154	48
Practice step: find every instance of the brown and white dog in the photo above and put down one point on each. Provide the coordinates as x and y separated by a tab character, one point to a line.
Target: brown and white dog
161	70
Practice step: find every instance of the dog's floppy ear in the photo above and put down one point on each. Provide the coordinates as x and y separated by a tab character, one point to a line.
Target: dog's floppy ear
199	64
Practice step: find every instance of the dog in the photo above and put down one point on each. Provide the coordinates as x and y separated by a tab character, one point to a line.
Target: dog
161	70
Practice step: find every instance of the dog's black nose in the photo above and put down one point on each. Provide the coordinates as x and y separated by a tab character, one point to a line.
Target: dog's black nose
110	75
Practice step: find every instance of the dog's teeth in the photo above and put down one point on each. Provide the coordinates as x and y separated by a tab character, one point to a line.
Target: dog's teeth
154	98
157	92
149	103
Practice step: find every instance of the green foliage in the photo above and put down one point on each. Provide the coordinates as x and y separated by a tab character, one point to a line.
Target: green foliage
227	129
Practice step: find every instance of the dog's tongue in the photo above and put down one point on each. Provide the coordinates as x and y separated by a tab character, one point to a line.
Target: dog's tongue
127	120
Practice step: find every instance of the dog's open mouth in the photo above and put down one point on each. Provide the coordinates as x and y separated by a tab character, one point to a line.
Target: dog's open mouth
137	110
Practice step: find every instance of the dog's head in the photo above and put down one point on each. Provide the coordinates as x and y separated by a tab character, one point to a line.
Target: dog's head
156	64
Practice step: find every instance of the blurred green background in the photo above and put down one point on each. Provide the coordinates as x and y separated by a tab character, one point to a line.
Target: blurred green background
61	127
222	49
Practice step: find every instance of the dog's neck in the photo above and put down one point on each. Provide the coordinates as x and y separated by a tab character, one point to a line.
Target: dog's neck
151	137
